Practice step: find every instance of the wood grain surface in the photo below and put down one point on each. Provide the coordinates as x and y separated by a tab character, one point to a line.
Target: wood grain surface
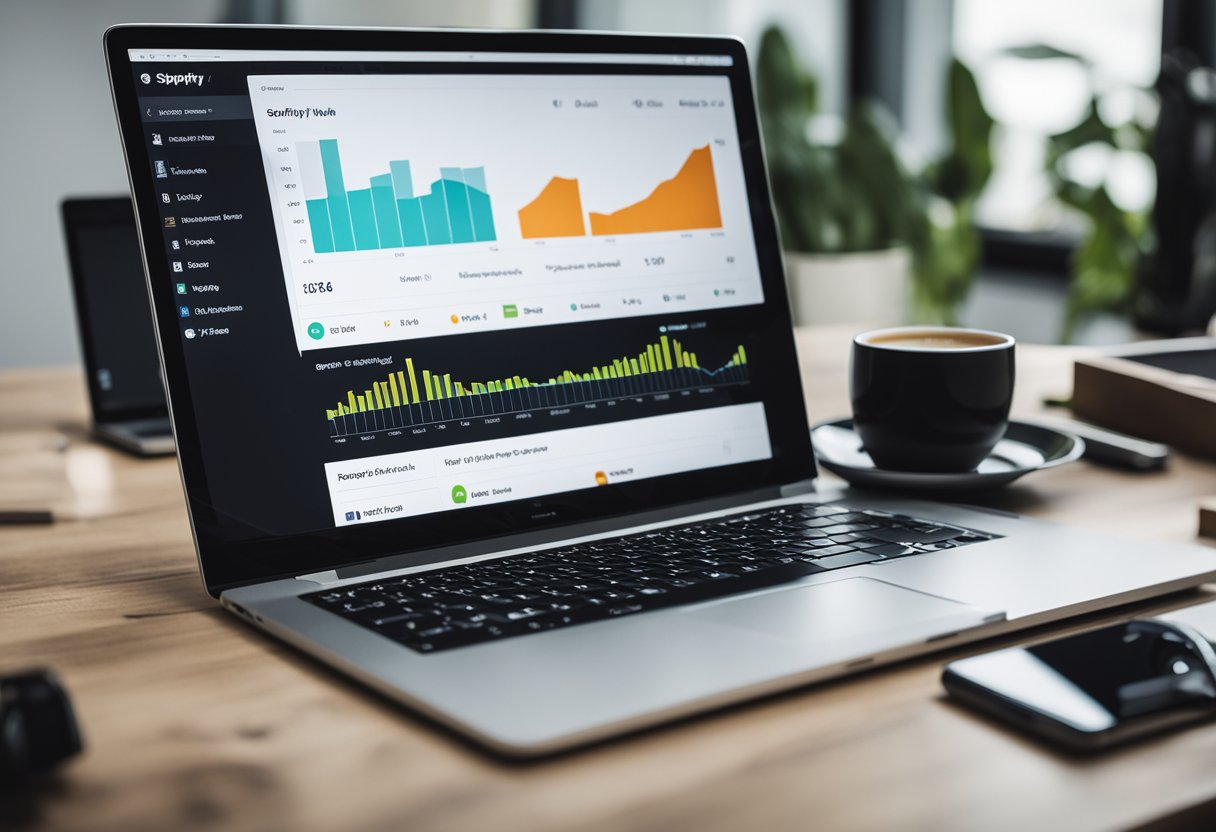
194	721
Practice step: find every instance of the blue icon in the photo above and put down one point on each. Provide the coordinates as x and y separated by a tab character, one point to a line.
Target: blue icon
350	516
184	311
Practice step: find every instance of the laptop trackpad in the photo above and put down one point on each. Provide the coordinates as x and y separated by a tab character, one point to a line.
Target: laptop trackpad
844	609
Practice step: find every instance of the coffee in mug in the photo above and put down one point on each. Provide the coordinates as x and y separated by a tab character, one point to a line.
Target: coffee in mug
931	399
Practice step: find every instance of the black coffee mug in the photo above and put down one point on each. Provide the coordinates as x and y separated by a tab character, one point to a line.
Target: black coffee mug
931	399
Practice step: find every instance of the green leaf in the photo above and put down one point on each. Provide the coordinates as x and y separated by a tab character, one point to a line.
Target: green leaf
944	274
1043	52
964	171
1092	128
783	86
1104	265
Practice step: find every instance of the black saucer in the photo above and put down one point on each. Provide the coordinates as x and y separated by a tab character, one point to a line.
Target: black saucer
1023	449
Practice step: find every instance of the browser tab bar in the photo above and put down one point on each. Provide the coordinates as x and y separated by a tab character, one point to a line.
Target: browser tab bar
145	56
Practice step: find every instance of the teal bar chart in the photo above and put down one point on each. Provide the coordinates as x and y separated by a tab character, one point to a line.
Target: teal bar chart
387	214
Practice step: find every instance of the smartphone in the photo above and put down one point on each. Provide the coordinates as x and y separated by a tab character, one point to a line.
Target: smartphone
1094	690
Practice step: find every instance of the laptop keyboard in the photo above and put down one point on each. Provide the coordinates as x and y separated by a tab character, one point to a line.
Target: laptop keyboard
530	593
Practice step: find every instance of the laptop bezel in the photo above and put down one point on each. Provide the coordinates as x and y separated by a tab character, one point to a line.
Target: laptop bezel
225	564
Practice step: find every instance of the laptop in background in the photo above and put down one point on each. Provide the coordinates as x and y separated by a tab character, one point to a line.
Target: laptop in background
115	325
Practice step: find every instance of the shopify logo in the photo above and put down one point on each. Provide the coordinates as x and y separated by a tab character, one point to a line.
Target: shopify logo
188	79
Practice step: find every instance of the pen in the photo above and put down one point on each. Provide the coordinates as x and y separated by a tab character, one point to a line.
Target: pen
25	517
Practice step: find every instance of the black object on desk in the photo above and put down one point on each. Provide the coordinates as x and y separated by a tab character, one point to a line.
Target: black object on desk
1094	690
38	728
1109	447
25	518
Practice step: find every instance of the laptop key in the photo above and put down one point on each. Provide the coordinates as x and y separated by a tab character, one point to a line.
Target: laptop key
893	550
819	554
846	559
909	535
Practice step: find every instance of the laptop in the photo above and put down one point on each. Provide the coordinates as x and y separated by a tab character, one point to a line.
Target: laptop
115	326
485	390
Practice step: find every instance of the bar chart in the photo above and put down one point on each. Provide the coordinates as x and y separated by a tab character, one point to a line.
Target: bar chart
387	214
416	396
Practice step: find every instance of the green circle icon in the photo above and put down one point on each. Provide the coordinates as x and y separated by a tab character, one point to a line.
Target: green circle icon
315	331
459	494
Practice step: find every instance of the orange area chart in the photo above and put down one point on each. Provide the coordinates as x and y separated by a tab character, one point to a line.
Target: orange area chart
686	201
556	212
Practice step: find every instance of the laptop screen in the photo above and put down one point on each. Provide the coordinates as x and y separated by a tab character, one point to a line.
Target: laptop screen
112	310
408	285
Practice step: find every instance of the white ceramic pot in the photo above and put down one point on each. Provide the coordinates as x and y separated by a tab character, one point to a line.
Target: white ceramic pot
871	288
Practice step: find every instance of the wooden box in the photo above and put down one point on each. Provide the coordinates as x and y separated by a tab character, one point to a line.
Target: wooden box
1159	390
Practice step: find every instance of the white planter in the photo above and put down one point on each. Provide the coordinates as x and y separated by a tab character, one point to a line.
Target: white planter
871	288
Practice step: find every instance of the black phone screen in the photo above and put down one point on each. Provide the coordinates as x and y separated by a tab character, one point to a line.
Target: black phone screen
1093	682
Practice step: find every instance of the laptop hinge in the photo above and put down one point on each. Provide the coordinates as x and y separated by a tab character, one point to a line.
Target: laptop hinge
543	537
329	576
797	489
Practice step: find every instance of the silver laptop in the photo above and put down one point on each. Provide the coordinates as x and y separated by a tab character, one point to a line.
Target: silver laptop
485	390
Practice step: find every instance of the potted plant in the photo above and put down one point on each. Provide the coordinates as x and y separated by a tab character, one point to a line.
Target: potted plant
866	239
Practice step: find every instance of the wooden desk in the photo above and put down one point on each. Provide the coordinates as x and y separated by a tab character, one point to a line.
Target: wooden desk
195	721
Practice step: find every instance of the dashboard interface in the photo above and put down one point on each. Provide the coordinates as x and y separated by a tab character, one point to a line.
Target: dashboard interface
416	283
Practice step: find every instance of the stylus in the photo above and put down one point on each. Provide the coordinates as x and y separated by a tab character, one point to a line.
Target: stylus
1111	448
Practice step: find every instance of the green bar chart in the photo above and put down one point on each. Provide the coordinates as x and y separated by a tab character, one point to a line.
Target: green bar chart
399	400
387	213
